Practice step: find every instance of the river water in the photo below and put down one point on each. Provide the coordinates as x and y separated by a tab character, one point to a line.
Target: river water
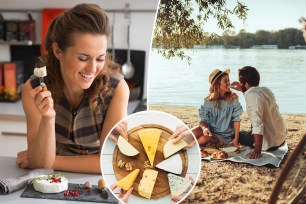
174	82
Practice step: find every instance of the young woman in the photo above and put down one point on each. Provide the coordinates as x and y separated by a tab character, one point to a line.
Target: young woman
220	114
86	96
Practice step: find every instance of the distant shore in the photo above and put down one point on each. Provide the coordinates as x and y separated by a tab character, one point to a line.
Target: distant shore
235	182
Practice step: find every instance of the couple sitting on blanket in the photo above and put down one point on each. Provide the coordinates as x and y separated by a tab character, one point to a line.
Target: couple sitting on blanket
220	114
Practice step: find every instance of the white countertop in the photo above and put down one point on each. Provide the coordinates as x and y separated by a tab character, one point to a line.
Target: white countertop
9	169
12	110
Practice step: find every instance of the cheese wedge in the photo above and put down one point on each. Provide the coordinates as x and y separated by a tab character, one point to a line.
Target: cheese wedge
146	184
173	164
149	138
178	185
171	148
47	186
126	148
127	182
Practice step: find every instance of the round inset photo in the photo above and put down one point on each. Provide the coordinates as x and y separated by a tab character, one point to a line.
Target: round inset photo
150	156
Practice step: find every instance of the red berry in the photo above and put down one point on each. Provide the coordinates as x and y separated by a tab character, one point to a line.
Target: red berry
66	193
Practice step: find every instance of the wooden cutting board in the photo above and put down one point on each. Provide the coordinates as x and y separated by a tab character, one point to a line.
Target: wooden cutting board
161	187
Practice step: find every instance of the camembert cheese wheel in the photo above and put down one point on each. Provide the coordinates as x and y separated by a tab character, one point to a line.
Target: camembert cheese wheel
146	184
178	185
126	148
172	164
149	138
49	186
127	182
171	148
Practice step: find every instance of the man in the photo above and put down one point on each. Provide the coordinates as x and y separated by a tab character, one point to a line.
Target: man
268	127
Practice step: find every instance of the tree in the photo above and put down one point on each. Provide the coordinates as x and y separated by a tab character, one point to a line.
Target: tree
179	26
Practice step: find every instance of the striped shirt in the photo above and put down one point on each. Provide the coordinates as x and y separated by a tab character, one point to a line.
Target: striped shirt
78	131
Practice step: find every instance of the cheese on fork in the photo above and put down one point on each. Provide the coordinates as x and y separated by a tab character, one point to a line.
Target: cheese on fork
47	186
126	148
172	164
178	185
146	184
40	72
127	182
149	138
171	148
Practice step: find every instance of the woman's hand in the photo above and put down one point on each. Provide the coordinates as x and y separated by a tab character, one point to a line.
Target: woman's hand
120	129
182	131
236	144
177	198
207	132
43	101
124	195
22	159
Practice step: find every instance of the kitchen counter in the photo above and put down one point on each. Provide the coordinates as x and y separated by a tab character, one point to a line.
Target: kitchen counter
8	169
11	111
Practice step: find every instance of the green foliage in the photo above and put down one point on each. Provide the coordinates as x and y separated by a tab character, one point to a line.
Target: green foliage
282	38
54	175
179	26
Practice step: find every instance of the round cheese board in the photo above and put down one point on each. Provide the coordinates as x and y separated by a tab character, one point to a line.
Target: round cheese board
161	187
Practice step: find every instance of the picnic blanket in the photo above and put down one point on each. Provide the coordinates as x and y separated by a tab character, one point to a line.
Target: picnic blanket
271	157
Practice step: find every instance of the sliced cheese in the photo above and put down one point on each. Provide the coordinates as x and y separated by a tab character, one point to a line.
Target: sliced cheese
229	149
45	186
171	148
178	185
146	184
127	182
126	148
172	164
149	138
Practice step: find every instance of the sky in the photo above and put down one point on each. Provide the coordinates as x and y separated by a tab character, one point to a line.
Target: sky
269	15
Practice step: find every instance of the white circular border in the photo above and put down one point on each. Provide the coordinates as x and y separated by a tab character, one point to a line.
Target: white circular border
179	122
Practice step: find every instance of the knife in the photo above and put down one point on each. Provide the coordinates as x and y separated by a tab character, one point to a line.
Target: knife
103	189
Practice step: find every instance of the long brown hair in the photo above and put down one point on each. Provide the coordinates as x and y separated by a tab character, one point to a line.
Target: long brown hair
215	95
81	19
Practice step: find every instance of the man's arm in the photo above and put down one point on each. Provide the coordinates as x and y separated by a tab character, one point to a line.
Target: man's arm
255	113
257	149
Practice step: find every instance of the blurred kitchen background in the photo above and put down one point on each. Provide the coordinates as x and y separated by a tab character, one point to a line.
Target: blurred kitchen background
22	27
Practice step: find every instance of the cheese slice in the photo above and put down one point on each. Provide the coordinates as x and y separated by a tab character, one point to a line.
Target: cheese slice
178	185
149	138
172	164
229	149
146	184
127	182
45	186
126	148
171	148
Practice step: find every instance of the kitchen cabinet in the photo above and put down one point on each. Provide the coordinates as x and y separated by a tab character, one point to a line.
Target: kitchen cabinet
142	15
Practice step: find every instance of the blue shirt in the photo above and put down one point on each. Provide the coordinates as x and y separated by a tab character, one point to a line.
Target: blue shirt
220	120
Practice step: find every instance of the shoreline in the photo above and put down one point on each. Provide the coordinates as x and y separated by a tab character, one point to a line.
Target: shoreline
229	182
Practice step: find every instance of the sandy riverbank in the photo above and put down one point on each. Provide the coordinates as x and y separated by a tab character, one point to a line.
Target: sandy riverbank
229	182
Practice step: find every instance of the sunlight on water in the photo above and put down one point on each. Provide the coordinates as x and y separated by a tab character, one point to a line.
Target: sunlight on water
174	82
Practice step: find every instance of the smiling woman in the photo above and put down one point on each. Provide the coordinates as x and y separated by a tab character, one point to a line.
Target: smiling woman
220	113
86	96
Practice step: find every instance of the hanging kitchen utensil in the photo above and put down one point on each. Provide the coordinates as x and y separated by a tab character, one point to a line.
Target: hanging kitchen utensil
113	38
128	69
